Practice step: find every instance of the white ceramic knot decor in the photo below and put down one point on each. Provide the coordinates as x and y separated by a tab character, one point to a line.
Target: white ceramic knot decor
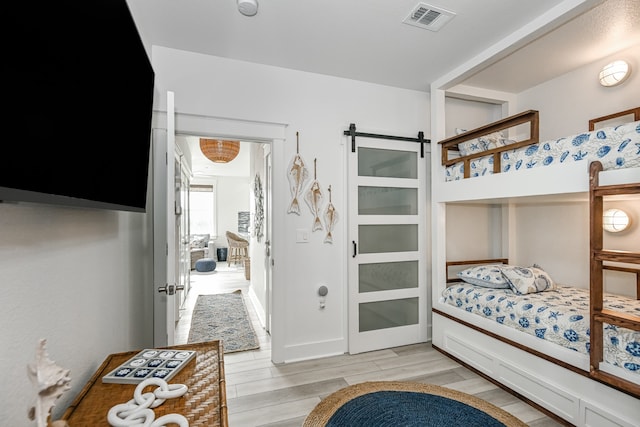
138	411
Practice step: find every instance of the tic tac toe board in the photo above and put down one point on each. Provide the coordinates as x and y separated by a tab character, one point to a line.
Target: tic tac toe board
150	363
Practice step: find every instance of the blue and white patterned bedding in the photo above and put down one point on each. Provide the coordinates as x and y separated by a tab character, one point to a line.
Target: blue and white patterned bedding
615	147
560	316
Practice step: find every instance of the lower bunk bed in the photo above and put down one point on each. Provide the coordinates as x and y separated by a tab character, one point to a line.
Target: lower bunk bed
560	317
534	340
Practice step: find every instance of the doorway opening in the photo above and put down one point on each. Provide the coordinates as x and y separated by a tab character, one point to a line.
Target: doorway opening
222	201
271	136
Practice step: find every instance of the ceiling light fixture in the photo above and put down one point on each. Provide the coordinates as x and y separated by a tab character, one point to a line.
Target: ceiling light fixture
614	73
248	7
615	220
219	150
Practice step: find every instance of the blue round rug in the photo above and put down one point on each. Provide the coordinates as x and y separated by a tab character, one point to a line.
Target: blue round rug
406	404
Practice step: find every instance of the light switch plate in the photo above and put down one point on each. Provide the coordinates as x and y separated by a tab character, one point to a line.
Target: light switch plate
302	235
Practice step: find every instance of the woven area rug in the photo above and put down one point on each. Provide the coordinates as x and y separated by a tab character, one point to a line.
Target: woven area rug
223	317
407	404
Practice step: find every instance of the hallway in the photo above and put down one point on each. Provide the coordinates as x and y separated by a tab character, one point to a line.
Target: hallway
223	280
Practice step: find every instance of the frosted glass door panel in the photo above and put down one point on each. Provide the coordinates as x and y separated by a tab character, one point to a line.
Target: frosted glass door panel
388	314
387	201
387	163
387	238
385	276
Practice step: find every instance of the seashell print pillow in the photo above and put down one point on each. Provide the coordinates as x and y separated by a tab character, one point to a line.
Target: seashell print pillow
498	142
527	280
487	276
471	146
486	142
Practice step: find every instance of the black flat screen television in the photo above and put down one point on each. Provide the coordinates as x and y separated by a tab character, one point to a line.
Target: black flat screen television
80	103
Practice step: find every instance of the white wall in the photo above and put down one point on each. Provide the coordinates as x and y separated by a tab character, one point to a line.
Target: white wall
466	114
79	278
567	103
320	108
556	237
232	196
473	232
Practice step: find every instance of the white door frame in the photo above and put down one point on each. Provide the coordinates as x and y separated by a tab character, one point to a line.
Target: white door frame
251	131
164	241
268	230
183	262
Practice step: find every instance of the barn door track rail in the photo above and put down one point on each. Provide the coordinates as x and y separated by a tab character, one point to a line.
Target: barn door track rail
352	133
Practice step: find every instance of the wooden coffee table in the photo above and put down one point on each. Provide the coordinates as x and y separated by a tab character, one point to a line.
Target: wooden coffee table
204	404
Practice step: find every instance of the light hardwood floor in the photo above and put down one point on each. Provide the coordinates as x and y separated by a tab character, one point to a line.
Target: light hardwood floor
260	393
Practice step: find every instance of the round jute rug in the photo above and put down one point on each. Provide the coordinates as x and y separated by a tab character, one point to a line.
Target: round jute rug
406	404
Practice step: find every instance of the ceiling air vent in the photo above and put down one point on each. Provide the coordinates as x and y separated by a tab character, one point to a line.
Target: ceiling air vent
428	17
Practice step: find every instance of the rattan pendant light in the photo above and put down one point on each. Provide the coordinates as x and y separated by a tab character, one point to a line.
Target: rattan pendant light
219	150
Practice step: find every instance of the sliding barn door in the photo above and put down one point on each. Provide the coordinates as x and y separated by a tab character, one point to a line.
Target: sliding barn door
387	234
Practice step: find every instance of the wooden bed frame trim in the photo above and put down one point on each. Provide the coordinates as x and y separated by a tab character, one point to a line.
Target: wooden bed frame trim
635	111
451	144
598	256
529	116
471	262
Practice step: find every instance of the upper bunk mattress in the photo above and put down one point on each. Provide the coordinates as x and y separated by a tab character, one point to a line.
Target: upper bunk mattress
615	147
560	316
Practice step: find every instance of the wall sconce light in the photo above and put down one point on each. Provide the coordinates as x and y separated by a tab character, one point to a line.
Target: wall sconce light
614	73
248	7
615	220
219	150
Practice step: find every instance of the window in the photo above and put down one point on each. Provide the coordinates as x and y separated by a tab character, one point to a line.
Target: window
201	210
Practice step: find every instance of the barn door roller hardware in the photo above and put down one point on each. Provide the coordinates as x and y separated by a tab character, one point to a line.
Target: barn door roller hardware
352	133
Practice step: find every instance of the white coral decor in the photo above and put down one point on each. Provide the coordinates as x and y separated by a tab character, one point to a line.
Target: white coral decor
50	381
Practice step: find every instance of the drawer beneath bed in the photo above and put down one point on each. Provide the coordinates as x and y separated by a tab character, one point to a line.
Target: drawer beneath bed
569	395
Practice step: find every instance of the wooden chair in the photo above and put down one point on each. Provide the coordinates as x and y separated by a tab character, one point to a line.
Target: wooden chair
238	248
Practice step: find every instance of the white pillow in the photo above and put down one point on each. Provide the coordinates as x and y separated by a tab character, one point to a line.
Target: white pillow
199	241
527	280
487	275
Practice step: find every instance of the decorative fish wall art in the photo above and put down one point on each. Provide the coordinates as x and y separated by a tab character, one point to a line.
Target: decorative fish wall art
330	219
259	216
314	197
297	175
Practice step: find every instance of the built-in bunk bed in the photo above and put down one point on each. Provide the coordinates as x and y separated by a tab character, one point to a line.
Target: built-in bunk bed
573	351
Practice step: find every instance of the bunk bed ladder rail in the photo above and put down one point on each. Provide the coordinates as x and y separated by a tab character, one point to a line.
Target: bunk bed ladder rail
598	255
